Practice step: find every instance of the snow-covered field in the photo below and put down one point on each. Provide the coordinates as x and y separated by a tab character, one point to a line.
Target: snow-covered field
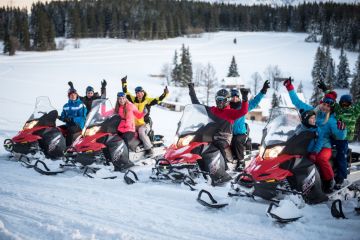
70	206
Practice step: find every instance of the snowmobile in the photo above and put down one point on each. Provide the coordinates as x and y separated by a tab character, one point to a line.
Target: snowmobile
193	153
100	143
39	136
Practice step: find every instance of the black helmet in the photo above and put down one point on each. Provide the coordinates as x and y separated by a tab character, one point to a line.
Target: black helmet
222	98
305	115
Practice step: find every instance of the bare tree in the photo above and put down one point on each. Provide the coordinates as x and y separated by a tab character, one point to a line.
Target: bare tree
166	71
257	79
272	72
199	74
209	80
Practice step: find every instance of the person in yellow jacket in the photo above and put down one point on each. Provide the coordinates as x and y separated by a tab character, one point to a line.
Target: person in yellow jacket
141	100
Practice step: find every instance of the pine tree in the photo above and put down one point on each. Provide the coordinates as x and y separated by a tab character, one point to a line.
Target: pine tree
318	73
330	69
175	73
185	67
275	101
343	72
233	71
355	84
300	88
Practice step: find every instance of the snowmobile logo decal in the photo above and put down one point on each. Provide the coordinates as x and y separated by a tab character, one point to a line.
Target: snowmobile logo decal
54	143
118	152
309	181
215	164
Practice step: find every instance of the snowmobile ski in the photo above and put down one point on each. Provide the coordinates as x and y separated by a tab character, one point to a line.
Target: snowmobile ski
128	180
91	173
47	170
270	212
336	209
213	204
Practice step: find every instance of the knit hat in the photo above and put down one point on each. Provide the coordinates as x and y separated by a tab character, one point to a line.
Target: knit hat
329	98
305	115
71	90
346	98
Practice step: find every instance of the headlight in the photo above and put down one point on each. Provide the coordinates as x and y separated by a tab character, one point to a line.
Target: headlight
91	131
184	141
30	125
273	152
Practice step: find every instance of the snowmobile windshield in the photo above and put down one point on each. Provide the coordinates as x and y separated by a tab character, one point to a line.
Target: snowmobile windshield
101	110
281	126
42	108
194	117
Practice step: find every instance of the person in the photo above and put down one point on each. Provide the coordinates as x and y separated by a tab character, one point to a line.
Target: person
308	123
329	126
90	95
223	111
141	100
128	112
74	116
348	112
240	128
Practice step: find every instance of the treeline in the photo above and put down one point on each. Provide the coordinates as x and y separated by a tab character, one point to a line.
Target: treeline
339	24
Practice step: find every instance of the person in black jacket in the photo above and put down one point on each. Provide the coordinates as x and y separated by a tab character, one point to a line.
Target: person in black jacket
91	95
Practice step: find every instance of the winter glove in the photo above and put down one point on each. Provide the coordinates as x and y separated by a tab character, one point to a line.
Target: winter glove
123	80
265	87
166	90
312	156
341	125
103	83
68	120
244	94
288	84
71	85
322	86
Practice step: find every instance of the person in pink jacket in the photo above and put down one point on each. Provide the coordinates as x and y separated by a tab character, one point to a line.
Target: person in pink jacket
128	112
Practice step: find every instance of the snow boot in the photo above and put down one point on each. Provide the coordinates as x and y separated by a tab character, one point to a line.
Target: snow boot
328	186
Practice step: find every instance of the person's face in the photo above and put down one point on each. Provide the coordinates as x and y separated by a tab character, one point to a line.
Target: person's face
235	99
73	96
325	107
90	94
312	120
345	104
140	94
122	100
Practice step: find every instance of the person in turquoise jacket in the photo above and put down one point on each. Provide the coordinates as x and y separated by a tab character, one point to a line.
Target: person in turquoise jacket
329	126
74	116
240	127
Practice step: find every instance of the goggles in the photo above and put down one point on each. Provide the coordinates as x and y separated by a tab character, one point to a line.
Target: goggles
329	101
121	94
221	99
139	89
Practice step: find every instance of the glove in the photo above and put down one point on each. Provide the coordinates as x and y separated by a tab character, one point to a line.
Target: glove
71	84
68	120
312	156
288	84
265	87
103	83
123	80
244	94
166	90
341	125
322	86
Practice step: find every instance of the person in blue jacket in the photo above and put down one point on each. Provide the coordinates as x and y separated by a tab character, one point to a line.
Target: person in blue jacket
74	116
240	127
330	127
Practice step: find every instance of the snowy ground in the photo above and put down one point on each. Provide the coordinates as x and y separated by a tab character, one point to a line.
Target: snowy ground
70	206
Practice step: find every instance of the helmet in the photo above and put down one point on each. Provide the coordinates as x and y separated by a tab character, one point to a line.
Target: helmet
345	99
222	98
305	115
234	92
89	89
139	89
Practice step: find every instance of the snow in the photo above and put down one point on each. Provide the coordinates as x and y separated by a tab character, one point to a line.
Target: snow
71	206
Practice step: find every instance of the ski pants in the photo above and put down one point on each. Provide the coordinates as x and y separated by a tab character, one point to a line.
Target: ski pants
342	147
221	145
322	162
127	136
238	145
143	131
72	132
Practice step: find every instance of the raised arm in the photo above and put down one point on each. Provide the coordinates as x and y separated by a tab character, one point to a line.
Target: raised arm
154	101
193	97
130	97
294	97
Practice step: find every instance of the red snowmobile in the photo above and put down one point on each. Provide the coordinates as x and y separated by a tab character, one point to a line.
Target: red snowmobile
282	165
39	134
193	149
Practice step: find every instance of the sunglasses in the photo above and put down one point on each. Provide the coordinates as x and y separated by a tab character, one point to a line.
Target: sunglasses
121	94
